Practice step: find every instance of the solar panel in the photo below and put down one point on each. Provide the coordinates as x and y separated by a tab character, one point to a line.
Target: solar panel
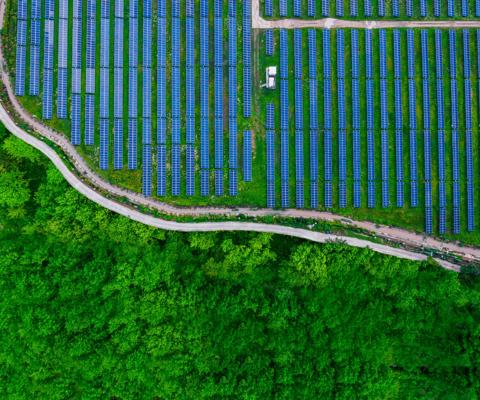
147	170
269	42
204	129
311	8
325	8
118	144
270	135
104	143
367	8
161	170
247	156
409	8
76	119
218	88
247	85
268	8
353	8
339	8
450	8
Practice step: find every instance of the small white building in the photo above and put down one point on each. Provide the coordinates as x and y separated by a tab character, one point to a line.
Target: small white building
270	78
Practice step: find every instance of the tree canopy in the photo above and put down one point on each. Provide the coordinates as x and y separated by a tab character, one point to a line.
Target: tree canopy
95	306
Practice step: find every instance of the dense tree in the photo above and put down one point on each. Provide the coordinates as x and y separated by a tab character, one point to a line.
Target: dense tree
96	306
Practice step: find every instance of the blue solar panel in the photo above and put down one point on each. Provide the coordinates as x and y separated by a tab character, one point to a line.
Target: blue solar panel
76	119
247	156
269	42
118	144
368	55
247	84
353	8
47	103
325	8
268	8
398	120
367	8
176	170
270	169
299	169
89	119
147	170
326	54
355	56
297	8
381	8
104	143
311	8
313	168
283	8
327	145
132	143
450	8
384	124
409	8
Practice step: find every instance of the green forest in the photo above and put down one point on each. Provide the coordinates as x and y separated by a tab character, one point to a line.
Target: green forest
94	306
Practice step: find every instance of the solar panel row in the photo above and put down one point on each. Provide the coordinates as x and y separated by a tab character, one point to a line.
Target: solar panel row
342	120
132	85
35	29
247	156
441	133
398	119
104	83
325	8
90	73
62	84
269	42
118	85
218	89
284	119
146	96
468	131
190	98
384	123
232	97
299	164
270	137
175	94
412	116
49	37
455	134
313	104
204	102
247	49
268	8
76	74
327	108
339	8
311	8
370	120
427	160
161	102
356	119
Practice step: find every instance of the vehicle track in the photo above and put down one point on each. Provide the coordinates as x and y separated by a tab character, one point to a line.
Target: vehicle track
398	235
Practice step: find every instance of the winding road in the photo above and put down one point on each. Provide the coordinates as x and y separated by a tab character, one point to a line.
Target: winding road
87	181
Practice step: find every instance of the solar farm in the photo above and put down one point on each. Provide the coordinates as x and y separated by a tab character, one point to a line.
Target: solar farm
168	98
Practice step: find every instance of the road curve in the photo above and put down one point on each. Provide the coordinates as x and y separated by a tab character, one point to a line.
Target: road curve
132	214
410	239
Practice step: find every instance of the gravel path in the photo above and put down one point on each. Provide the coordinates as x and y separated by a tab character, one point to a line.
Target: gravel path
86	174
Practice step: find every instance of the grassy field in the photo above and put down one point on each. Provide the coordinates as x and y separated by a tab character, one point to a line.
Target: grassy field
253	194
